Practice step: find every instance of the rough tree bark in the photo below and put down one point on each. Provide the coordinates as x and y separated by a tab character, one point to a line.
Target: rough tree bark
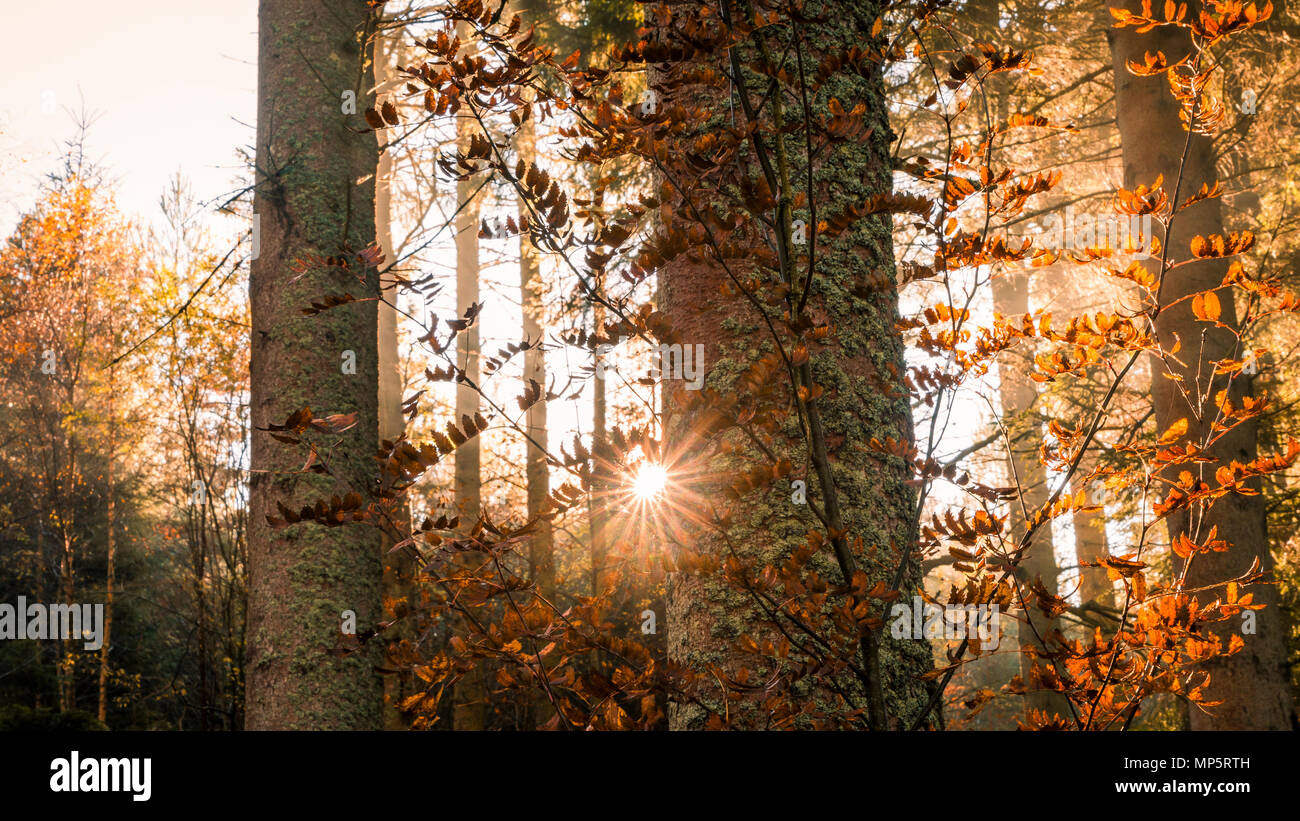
706	615
310	157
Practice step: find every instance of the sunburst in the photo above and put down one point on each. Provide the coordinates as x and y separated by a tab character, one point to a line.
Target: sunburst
651	479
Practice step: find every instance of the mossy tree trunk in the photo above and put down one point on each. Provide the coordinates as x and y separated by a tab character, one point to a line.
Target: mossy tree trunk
310	157
705	615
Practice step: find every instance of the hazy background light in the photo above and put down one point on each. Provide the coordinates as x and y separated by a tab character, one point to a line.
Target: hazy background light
172	84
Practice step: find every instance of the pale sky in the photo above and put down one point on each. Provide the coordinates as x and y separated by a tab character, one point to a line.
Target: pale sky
173	82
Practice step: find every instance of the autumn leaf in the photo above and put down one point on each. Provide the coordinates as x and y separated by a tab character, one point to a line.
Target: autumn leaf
1206	306
1175	432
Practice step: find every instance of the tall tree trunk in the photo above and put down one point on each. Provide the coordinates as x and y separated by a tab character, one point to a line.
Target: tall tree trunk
1018	395
111	558
470	693
391	423
871	500
67	684
66	672
597	509
469	202
541	543
468	456
399	570
1253	684
201	609
310	204
1090	546
531	287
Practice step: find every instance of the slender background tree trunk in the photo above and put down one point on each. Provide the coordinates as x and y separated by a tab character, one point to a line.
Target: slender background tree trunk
1019	395
1253	684
111	557
1090	546
470	692
541	543
531	288
398	585
600	448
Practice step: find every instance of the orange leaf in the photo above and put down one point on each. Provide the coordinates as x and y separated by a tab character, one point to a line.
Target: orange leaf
1206	306
1176	431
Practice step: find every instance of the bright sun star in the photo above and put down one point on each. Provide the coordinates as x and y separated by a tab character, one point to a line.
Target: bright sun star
650	480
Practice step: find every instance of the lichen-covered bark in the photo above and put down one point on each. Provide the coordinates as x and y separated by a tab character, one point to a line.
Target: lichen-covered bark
1253	684
706	616
310	157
